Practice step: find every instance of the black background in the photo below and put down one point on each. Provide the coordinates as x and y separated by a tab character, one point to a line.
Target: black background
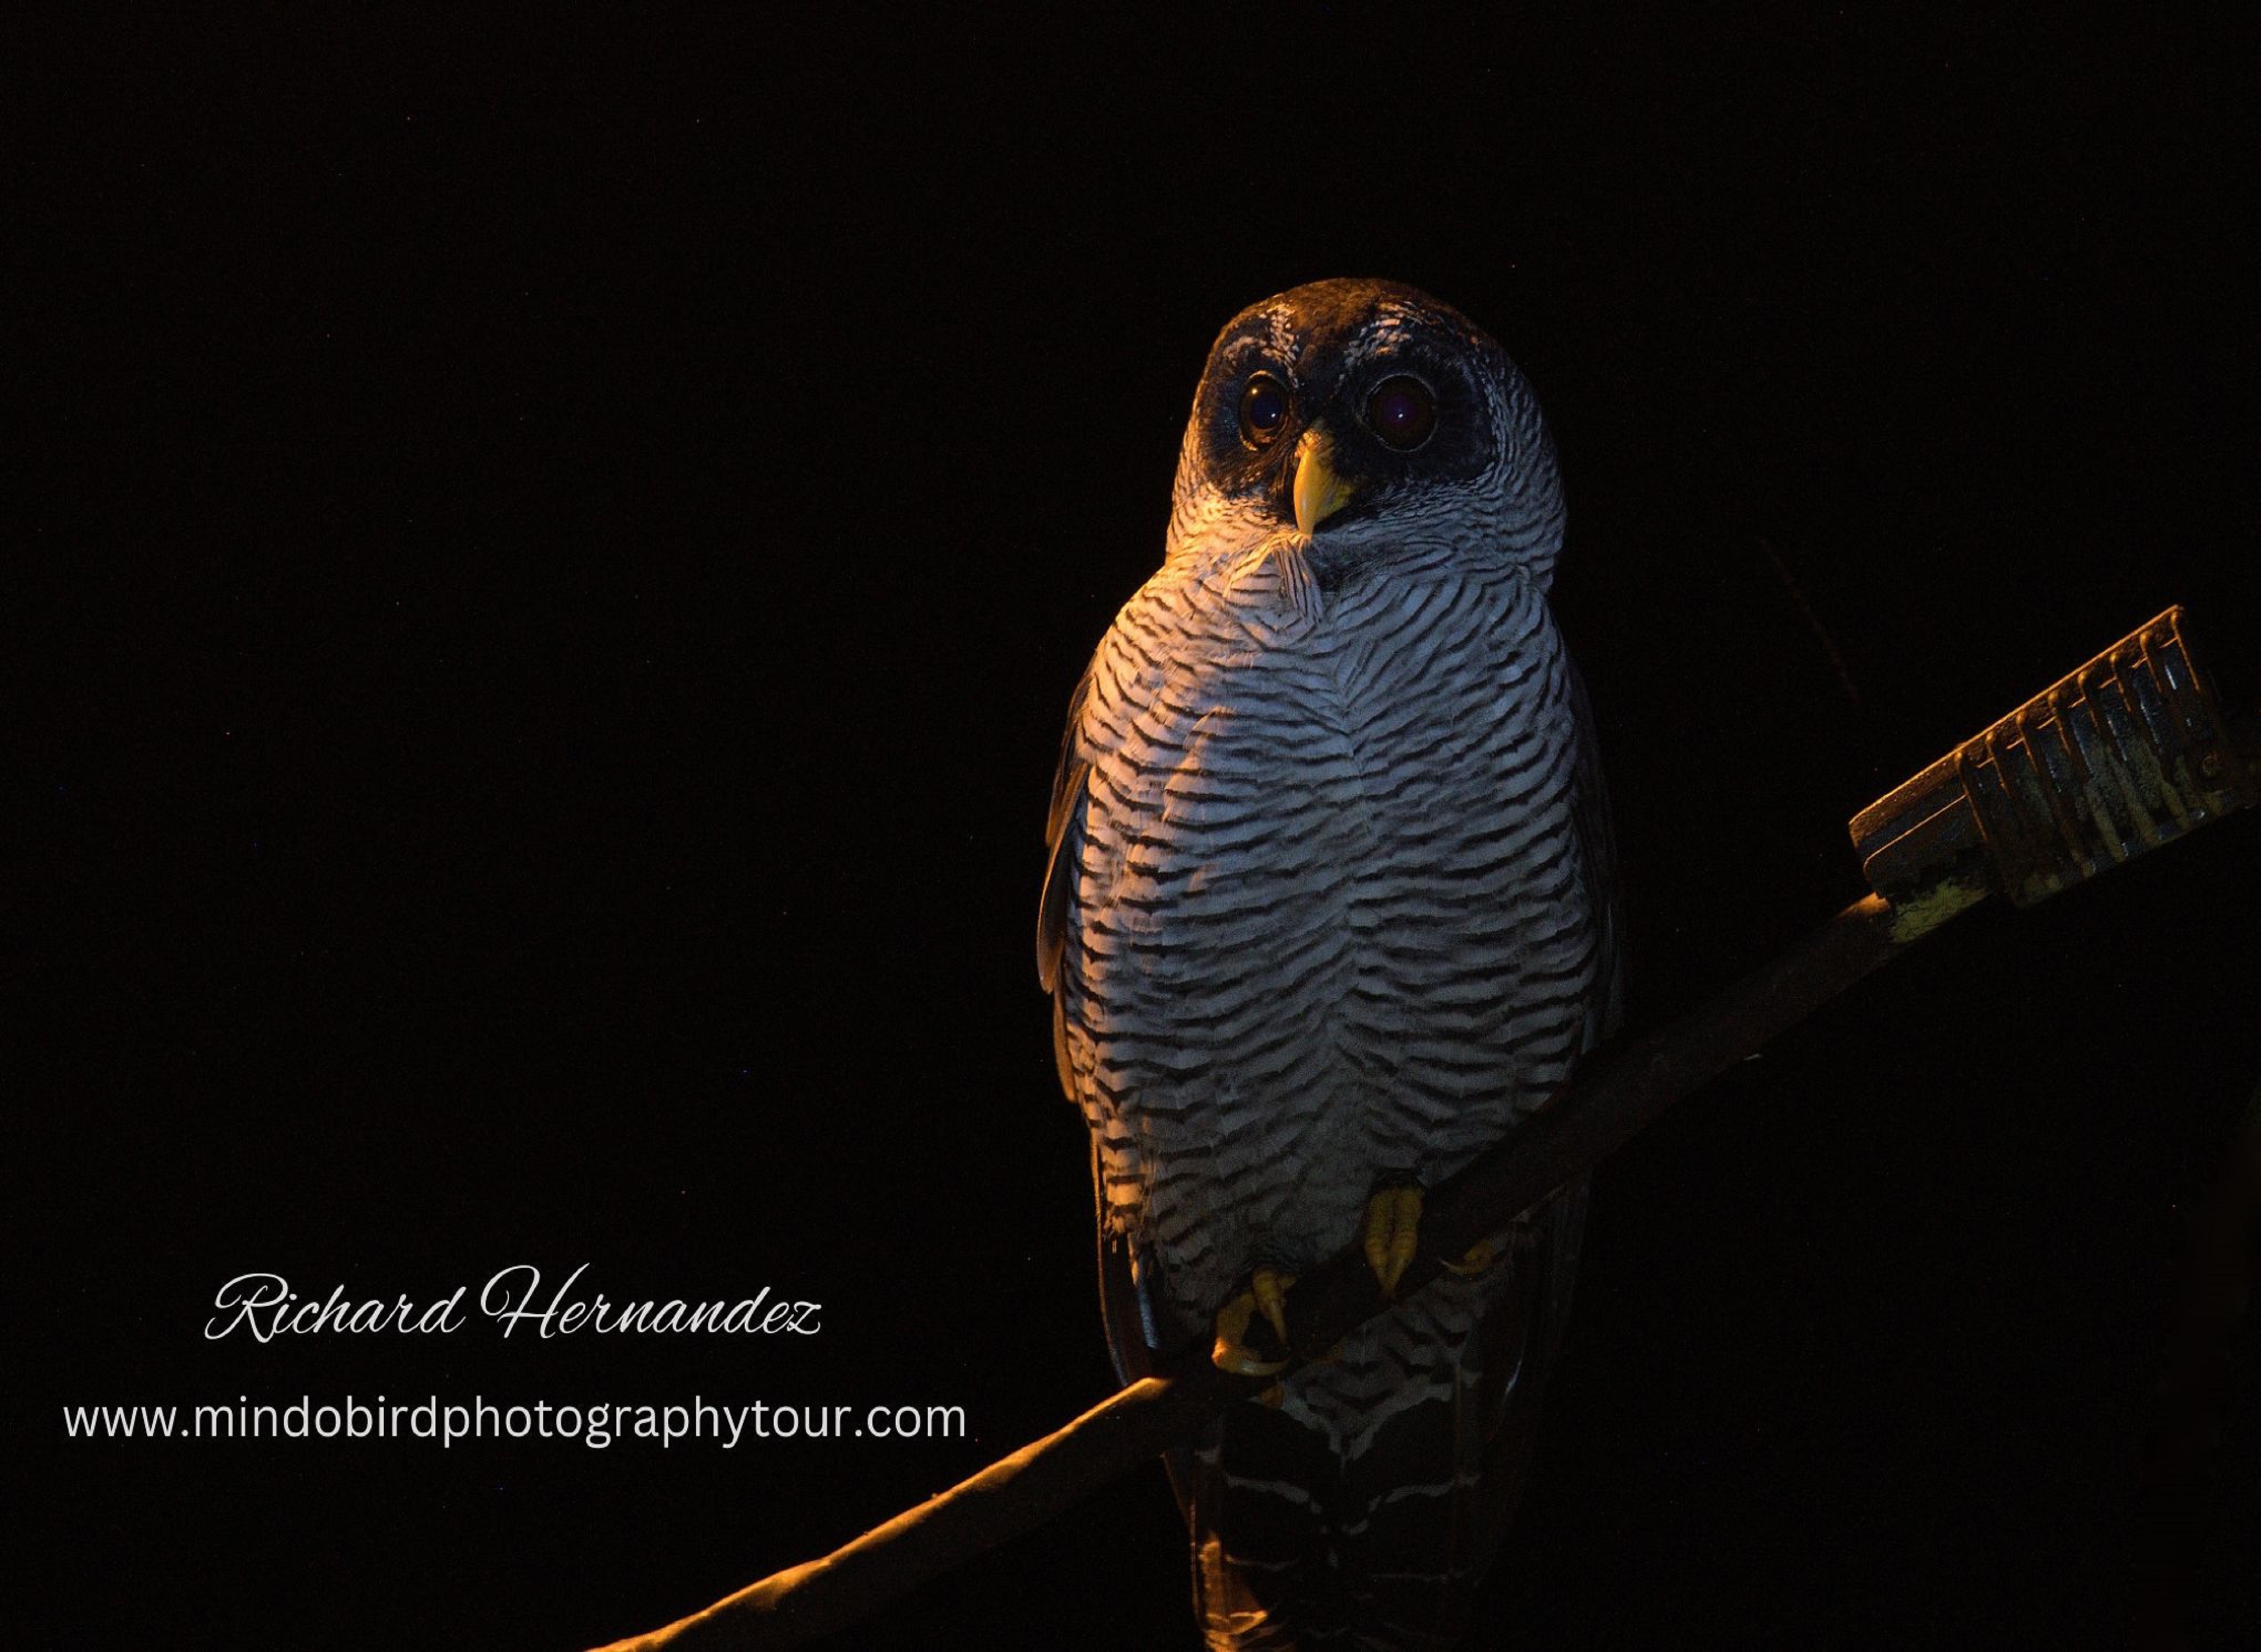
551	566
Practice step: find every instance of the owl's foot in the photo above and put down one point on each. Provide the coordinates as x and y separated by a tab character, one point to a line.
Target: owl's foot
1393	1233
1481	1257
1488	1253
1266	1294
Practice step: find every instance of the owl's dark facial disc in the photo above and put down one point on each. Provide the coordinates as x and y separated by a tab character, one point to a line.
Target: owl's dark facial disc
1392	379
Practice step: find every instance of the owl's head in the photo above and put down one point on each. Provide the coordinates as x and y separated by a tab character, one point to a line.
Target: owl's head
1376	420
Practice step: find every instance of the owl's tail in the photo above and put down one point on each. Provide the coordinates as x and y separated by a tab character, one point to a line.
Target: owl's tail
1364	1510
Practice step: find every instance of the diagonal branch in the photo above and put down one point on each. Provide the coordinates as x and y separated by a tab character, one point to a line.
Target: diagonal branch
2127	753
1619	1092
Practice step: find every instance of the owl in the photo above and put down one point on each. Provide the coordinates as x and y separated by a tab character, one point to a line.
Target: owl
1330	907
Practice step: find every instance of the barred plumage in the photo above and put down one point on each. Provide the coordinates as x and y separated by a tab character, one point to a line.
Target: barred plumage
1329	906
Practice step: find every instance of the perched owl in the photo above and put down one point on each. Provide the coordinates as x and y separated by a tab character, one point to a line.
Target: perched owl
1330	906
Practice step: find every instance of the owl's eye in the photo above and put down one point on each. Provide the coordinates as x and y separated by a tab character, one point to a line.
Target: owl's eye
1402	412
1263	410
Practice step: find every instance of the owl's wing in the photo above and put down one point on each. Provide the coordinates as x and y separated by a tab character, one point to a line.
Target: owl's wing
1064	854
1063	843
1136	1331
1598	846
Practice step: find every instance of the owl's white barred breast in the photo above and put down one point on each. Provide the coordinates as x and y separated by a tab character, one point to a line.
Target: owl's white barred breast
1334	921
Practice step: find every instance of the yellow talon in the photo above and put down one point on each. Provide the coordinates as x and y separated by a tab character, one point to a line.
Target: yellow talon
1272	1395
1393	1224
1269	1286
1482	1257
1232	1352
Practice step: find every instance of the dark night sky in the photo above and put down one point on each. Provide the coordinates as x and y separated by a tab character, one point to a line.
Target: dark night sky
549	569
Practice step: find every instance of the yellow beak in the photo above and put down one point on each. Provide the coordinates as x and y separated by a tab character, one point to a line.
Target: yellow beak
1319	492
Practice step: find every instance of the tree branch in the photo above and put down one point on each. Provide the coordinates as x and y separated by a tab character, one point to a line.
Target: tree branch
1617	1094
2129	752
